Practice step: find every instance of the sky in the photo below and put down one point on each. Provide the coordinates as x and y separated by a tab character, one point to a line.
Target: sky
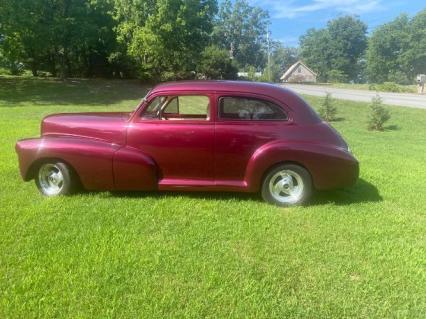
291	18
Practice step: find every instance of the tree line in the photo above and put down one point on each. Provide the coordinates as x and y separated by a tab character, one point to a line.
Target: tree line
342	51
181	39
149	39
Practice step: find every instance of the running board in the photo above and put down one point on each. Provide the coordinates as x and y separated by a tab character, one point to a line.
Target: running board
201	185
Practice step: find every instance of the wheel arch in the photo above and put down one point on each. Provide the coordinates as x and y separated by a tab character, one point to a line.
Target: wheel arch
330	167
90	159
32	170
267	158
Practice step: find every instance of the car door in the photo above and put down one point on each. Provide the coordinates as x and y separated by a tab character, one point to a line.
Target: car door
176	131
244	123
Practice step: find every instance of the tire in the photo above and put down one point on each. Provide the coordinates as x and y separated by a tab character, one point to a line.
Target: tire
55	178
287	185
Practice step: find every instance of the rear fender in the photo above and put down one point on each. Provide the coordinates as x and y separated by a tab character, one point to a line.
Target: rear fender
330	166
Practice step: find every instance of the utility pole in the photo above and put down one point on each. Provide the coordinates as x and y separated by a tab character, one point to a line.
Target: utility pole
269	54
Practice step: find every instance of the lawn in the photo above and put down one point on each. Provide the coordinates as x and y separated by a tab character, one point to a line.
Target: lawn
359	252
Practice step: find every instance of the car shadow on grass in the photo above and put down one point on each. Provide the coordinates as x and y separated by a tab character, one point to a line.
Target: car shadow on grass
361	192
391	128
190	195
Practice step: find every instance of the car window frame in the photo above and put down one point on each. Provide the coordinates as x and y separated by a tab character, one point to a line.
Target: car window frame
262	98
210	118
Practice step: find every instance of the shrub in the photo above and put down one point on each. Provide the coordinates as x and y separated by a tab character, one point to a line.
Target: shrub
378	114
265	77
327	110
399	78
252	73
336	76
390	87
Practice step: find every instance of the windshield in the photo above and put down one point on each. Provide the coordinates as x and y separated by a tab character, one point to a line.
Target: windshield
141	102
146	95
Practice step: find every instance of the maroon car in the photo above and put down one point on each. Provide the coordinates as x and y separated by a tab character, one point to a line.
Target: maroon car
195	136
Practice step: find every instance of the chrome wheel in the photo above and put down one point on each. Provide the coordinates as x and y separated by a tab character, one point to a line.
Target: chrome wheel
51	179
286	187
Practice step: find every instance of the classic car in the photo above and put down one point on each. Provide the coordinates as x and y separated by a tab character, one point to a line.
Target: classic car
194	136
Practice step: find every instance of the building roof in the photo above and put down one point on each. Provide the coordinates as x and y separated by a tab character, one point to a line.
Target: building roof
293	68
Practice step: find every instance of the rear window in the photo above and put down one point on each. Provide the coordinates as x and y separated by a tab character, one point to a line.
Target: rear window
246	109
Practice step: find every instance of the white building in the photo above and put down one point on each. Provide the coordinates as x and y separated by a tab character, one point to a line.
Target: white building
299	73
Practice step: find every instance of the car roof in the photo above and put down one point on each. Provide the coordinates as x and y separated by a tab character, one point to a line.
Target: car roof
275	91
227	86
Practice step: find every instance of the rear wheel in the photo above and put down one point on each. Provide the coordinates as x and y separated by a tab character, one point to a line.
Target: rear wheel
287	185
55	178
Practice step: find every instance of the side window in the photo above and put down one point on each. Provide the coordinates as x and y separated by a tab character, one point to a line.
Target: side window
240	108
187	107
173	106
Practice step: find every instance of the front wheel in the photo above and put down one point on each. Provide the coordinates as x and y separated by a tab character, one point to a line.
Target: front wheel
55	178
287	185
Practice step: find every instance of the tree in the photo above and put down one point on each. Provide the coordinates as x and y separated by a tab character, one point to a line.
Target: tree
22	33
61	36
348	44
80	35
397	50
216	64
387	47
336	76
315	51
167	43
241	29
130	17
339	46
11	53
416	53
281	59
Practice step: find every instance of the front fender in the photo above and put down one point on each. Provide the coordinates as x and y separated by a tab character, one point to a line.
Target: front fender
90	158
330	166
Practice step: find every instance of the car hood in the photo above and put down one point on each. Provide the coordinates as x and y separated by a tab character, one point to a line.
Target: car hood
110	127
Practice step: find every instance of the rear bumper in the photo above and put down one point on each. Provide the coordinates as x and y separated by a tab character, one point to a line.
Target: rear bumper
351	175
338	173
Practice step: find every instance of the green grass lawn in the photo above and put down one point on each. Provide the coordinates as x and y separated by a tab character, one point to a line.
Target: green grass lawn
359	252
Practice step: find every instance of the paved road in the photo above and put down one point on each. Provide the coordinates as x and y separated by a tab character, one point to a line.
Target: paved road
402	99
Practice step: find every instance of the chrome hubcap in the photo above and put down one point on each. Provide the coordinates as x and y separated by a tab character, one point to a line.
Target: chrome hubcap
51	179
286	186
